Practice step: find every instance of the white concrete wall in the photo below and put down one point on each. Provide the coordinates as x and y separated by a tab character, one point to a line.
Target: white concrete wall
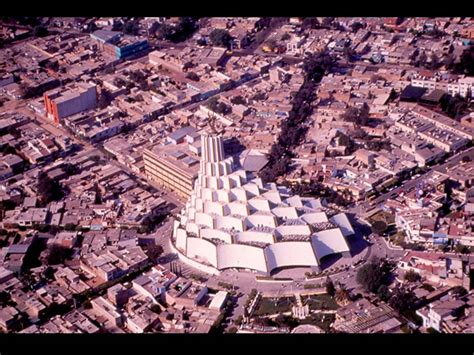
181	236
252	188
259	204
343	223
240	256
205	219
204	268
192	228
229	222
215	233
328	242
239	193
213	207
254	236
237	208
203	249
316	217
285	212
286	254
223	196
292	230
261	220
273	196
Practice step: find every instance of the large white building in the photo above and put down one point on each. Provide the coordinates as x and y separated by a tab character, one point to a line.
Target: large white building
233	220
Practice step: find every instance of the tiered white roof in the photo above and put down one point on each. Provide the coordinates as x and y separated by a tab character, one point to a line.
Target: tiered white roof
233	220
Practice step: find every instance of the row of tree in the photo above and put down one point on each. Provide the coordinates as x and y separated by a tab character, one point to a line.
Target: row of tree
216	106
293	130
317	189
180	32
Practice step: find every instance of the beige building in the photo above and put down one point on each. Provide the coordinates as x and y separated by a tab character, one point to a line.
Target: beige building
172	168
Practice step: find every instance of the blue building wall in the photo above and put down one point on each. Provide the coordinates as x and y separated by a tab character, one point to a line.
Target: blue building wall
131	49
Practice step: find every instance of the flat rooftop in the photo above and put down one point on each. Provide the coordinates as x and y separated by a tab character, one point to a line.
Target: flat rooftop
177	155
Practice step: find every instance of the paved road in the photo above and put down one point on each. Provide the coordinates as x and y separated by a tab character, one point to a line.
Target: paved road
409	184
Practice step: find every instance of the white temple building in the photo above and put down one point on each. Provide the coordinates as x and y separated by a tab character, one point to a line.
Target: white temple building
233	220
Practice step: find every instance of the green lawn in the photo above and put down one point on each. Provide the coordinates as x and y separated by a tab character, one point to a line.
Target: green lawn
269	306
322	320
323	301
386	217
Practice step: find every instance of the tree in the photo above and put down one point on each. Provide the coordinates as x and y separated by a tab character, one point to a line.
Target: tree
105	98
213	104
356	26
52	65
40	31
348	53
403	300
119	82
182	31
412	276
71	169
48	273
283	320
342	295
232	330
193	76
98	194
5	299
154	251
434	62
330	289
454	106
26	91
460	248
383	293
310	22
376	77
346	141
373	274
7	205
220	38
150	222
8	149
327	21
379	227
421	61
459	291
239	320
359	116
466	62
96	159
91	27
57	254
286	36
155	308
238	100
48	189
70	227
292	129
131	28
259	96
